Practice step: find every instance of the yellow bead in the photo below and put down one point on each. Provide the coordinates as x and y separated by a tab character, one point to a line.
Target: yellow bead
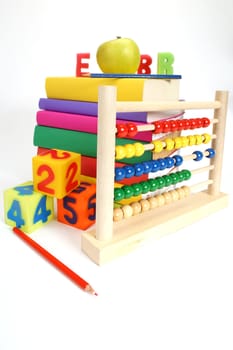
175	195
136	206
129	150
185	141
117	214
192	140
178	142
198	139
139	149
186	190
206	137
120	152
169	144
145	204
158	146
181	192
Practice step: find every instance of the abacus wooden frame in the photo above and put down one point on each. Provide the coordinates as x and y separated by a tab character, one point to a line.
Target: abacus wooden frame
112	239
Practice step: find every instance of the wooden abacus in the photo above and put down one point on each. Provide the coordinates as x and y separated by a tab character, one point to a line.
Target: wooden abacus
162	213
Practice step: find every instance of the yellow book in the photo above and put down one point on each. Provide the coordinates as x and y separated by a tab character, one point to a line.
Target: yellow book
128	89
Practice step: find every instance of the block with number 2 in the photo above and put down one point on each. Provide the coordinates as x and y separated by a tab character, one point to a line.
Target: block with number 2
56	172
27	209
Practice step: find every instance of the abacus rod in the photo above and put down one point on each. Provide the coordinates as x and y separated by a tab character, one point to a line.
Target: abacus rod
218	145
150	106
203	169
105	162
151	127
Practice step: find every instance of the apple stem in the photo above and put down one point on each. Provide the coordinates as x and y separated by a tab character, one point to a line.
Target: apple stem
118	37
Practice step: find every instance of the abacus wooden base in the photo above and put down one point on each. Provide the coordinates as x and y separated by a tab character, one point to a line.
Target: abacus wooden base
132	232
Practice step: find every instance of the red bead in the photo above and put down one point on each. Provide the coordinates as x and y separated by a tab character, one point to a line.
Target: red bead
186	123
180	124
193	123
158	127
173	124
122	130
205	122
132	129
166	126
199	123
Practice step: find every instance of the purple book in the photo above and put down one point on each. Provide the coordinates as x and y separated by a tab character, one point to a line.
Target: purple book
86	108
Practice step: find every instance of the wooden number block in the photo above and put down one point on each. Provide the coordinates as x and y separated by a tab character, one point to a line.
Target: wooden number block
78	208
26	208
56	173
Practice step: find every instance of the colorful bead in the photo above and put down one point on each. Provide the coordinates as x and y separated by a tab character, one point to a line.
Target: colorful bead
178	142
169	144
158	127
193	123
170	162
181	192
173	125
199	123
167	197
119	174
132	129
160	200
153	202
139	169
122	130
129	150
155	166
147	167
145	186
129	171
118	194
162	163
117	214
136	208
160	181
205	122
128	191
175	195
211	152
198	139
207	138
174	178
187	174
186	124
158	146
180	124
198	155
139	149
186	190
166	126
137	189
192	140
153	184
120	152
167	180
178	160
185	141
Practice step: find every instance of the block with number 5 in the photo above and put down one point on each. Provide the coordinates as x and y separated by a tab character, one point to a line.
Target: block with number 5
27	209
56	172
79	207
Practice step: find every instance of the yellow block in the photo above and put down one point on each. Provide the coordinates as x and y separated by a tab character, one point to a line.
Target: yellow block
56	172
27	209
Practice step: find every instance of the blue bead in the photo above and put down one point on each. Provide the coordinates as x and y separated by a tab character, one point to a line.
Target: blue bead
162	163
129	171
170	162
155	166
147	167
199	155
139	169
211	152
178	160
119	174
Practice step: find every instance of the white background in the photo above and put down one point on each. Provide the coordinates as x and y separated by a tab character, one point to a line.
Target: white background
175	293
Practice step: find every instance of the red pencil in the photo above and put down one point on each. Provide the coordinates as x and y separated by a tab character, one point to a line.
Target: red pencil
55	262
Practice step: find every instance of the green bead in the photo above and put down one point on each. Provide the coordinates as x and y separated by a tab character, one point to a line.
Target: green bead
168	180
128	191
187	174
118	194
174	178
153	184
145	186
137	189
180	175
160	181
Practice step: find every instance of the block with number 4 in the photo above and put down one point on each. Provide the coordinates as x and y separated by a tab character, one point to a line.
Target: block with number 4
56	172
78	208
27	209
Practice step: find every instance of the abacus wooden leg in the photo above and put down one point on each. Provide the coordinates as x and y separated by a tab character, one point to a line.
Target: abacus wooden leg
131	233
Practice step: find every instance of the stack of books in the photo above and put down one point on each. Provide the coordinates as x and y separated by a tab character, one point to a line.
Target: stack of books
67	118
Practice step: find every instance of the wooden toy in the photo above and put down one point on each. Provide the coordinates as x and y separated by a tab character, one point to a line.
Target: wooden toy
78	207
26	208
170	204
55	172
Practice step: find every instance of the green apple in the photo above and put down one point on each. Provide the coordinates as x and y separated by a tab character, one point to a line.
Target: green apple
118	56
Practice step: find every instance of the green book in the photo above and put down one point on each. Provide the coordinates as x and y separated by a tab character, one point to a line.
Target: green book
79	142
